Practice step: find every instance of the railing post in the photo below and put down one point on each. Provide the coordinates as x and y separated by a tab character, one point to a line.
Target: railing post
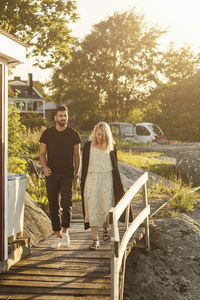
124	258
145	202
114	259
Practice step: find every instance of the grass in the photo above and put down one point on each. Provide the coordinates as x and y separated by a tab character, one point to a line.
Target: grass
179	195
150	162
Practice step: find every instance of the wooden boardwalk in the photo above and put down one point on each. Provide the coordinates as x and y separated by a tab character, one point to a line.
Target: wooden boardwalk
65	273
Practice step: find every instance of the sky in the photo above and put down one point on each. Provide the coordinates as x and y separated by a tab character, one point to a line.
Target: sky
180	17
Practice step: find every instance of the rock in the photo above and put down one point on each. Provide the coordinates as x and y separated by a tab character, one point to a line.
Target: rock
171	269
130	174
188	167
37	224
171	150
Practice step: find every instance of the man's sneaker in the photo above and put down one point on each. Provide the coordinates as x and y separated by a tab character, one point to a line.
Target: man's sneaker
57	243
65	239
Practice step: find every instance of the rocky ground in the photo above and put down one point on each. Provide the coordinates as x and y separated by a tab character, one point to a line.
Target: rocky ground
172	149
171	270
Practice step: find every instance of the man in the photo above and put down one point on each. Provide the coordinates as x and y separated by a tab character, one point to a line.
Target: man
60	159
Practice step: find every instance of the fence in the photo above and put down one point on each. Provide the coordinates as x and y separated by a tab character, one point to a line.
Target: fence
118	248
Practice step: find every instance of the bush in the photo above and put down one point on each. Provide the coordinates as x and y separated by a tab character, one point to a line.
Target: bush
36	187
33	122
183	200
16	165
32	140
16	145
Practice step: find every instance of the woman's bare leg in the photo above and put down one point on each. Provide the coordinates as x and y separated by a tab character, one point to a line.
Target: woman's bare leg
94	230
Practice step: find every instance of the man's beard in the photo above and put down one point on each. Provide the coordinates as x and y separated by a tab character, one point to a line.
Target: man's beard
62	124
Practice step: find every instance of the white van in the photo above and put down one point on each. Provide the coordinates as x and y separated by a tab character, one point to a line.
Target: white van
148	133
141	133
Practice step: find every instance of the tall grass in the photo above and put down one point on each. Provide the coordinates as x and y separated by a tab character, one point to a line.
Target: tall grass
179	196
150	162
32	141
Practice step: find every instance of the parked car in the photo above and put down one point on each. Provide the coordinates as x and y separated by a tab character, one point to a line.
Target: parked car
123	131
148	133
140	133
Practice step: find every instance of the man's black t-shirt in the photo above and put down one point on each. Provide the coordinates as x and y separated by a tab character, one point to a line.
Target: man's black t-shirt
60	149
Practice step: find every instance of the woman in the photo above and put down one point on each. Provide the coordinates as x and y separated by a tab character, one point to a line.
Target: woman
101	186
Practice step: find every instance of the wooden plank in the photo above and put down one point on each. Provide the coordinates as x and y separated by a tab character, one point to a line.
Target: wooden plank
53	297
66	254
50	272
54	284
101	267
51	291
53	278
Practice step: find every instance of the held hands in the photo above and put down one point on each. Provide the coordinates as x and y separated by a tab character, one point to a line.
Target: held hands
47	171
76	182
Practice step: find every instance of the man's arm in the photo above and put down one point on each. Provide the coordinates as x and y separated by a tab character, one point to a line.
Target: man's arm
76	163
43	152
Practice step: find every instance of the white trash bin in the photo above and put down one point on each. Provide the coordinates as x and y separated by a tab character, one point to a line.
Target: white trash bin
16	194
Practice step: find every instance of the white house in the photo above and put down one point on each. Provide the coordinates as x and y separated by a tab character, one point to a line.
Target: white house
26	97
12	52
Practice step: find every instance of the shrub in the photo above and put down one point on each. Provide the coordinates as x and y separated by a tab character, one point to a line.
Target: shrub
33	122
36	187
183	200
32	140
16	165
16	145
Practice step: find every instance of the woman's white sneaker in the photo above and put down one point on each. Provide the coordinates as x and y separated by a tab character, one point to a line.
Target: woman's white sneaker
57	243
65	239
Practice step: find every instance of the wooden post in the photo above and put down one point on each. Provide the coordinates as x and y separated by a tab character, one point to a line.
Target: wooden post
2	179
124	258
145	202
114	258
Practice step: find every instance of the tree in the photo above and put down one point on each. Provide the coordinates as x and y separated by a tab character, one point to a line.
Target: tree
177	97
43	25
112	69
179	64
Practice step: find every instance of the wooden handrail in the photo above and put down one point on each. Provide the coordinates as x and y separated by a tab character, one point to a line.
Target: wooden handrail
118	248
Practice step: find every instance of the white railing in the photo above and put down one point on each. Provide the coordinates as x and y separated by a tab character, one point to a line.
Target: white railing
118	248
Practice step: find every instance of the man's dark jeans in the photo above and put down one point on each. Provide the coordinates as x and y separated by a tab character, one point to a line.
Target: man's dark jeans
59	185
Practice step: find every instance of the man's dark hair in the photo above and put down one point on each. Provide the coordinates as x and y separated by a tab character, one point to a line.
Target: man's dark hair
61	108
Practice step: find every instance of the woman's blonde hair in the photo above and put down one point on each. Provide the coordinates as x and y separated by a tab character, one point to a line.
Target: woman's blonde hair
108	142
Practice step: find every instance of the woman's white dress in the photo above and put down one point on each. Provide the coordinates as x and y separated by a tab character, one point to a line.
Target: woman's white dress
98	191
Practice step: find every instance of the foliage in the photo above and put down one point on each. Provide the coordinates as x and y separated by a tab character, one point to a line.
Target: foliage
33	122
111	70
179	197
37	189
136	115
32	141
178	96
76	196
183	200
180	107
149	162
16	145
16	165
42	24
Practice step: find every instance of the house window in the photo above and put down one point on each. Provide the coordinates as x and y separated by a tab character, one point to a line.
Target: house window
29	105
35	106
